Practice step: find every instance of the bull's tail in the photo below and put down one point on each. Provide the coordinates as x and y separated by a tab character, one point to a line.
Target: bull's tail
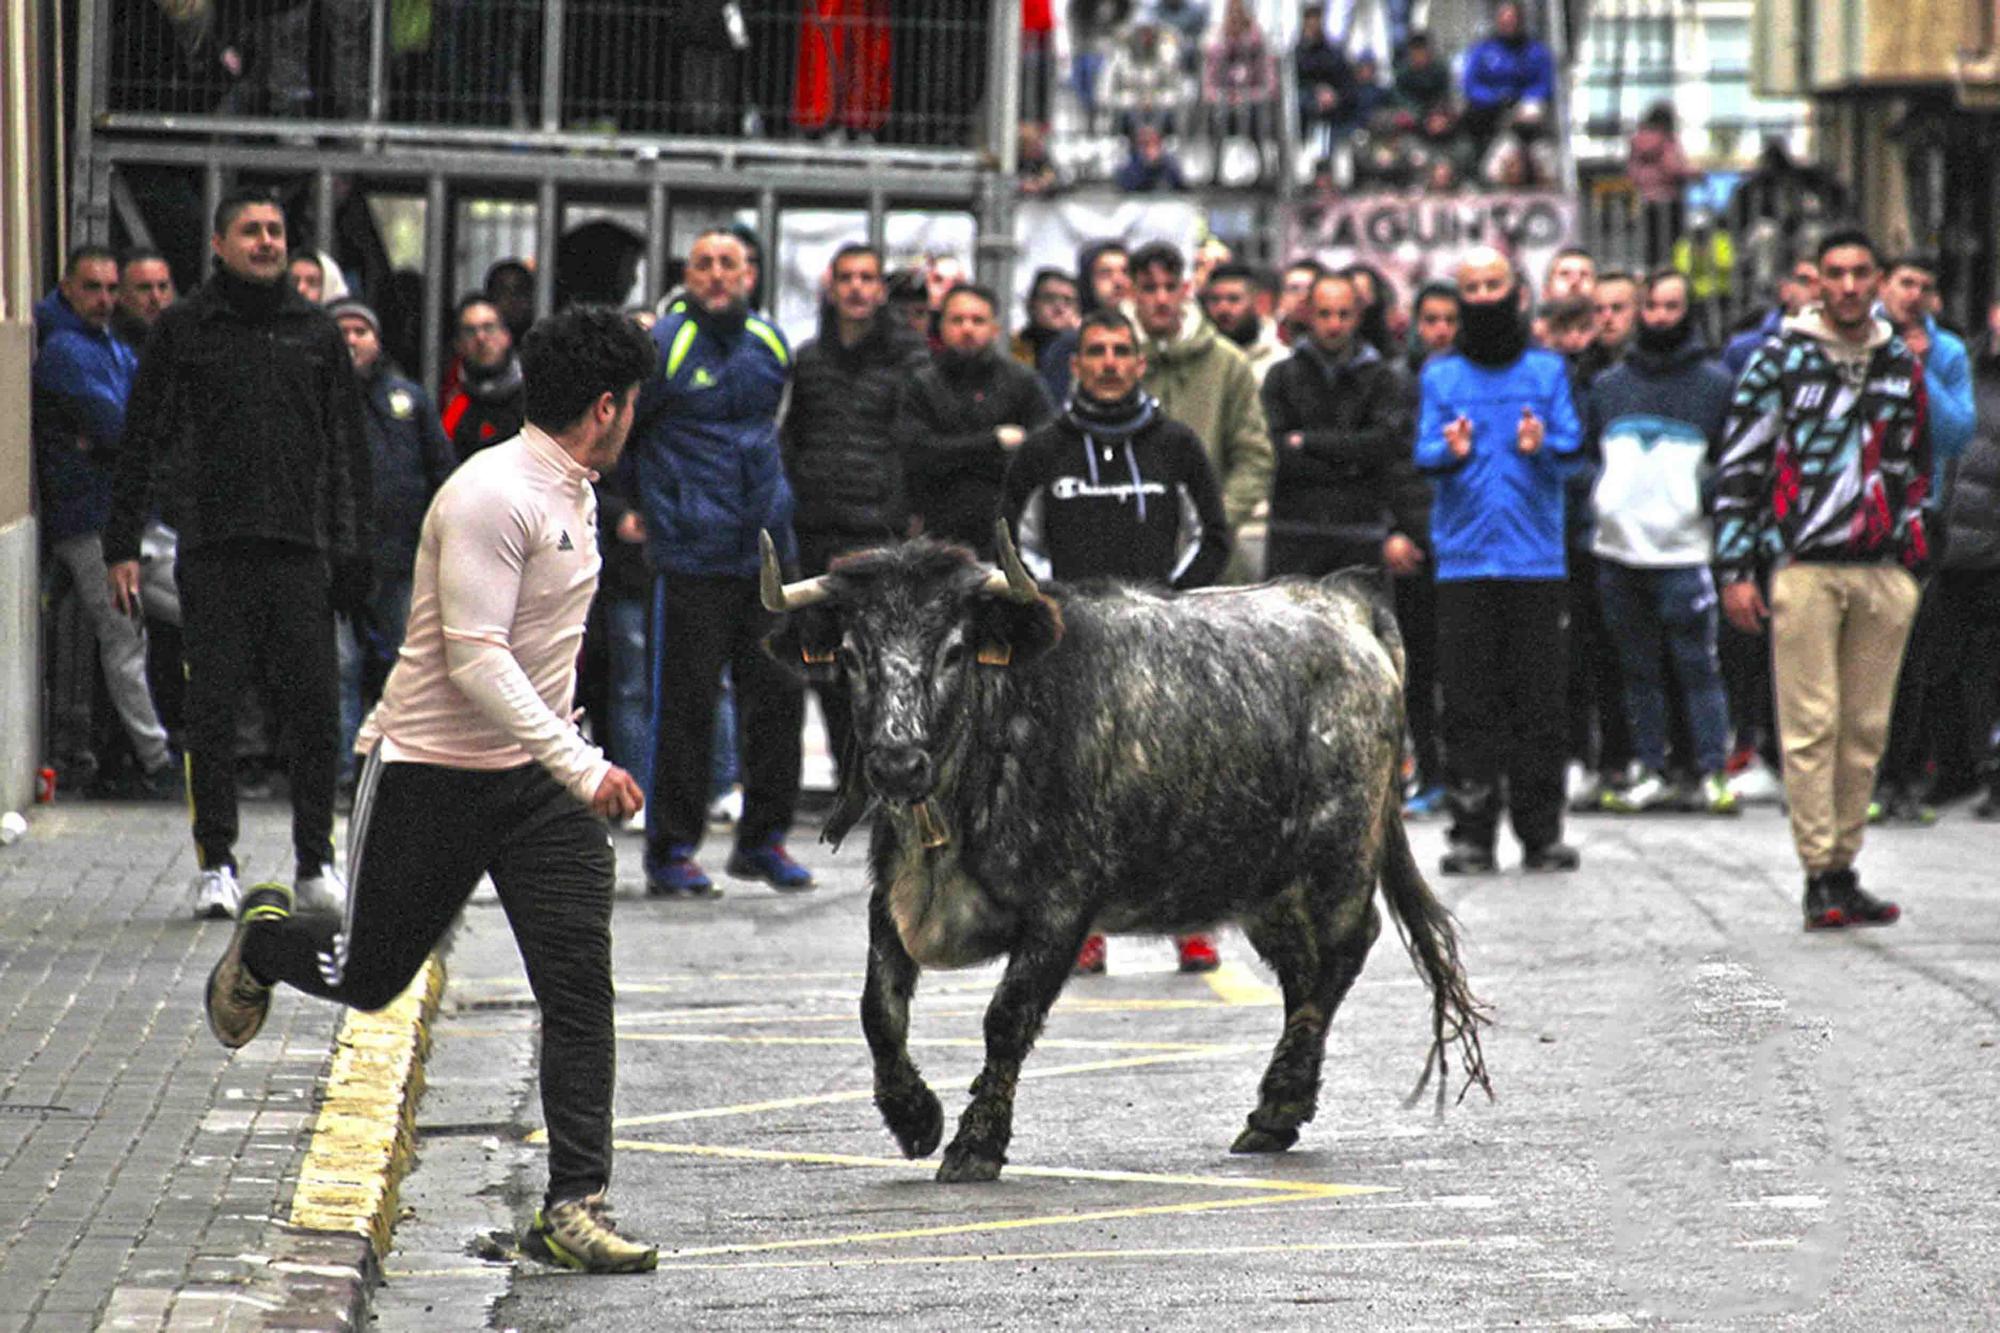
1431	935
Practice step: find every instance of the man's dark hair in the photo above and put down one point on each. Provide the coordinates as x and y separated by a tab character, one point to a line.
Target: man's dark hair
465	303
1044	276
1620	275
1841	237
574	357
1233	271
973	289
1668	273
87	253
853	248
509	268
905	286
310	256
141	254
1571	312
1160	254
1435	291
240	198
1572	252
1104	317
1918	260
1307	262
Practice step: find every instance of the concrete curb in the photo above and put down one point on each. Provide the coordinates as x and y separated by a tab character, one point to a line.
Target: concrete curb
363	1143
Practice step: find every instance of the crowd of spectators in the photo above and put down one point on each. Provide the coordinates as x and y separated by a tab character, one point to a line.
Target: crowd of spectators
1322	419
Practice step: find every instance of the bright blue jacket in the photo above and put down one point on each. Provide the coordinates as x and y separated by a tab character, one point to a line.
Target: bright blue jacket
1948	378
1499	72
1498	512
83	377
706	447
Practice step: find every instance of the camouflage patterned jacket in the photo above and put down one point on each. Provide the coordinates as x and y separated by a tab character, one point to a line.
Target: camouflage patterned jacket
1827	454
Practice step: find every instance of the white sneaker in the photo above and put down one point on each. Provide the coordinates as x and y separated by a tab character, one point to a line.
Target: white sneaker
727	808
1757	785
215	895
324	892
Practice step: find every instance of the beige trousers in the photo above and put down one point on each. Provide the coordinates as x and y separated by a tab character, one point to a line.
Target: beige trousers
1837	637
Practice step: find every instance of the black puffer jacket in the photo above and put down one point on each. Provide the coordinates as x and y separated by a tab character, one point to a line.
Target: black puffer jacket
245	424
409	458
842	454
1972	500
953	459
1356	423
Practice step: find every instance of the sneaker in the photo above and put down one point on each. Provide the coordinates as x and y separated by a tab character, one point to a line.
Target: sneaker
1550	858
1756	784
325	891
727	808
214	894
772	864
680	877
1198	953
1090	958
162	784
1715	796
236	1002
1650	792
1426	804
1857	905
1905	807
578	1234
1822	905
1467	858
1584	789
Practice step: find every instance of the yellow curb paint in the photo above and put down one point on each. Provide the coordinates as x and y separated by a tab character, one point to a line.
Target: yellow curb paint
1237	984
365	1136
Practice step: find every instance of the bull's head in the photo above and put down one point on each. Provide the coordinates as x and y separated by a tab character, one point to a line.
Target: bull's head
909	628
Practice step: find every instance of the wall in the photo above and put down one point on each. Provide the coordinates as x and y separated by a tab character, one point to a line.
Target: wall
24	163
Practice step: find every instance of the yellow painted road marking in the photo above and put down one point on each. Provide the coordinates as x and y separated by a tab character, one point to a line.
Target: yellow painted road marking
1189	1252
1237	984
1317	1189
965	1081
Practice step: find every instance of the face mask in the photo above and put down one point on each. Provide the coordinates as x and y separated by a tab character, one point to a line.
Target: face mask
1659	342
1492	333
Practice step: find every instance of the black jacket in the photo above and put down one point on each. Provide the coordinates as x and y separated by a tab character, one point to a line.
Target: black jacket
408	459
1114	510
1357	423
1972	486
841	451
245	424
953	461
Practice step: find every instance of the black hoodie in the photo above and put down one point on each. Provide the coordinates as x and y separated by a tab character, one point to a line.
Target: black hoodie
951	456
842	453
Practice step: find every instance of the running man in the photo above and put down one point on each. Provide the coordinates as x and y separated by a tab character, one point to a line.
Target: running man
474	768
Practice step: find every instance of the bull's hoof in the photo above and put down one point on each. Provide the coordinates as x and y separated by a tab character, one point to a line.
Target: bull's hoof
962	1166
915	1116
1253	1139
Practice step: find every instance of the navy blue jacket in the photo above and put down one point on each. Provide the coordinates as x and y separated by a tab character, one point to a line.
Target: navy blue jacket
82	380
706	446
409	457
1653	430
1498	512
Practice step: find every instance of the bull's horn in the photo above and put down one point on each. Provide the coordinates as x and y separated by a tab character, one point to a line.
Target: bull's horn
1012	579
779	595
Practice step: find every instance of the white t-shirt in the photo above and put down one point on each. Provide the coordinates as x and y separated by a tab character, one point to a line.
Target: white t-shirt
506	568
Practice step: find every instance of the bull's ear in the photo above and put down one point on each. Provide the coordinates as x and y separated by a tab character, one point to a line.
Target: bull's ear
808	642
1010	633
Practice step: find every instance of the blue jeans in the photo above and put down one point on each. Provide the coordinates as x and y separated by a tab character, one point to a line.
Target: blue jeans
631	688
1657	615
366	653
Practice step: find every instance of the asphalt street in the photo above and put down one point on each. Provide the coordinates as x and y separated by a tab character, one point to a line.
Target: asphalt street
1705	1118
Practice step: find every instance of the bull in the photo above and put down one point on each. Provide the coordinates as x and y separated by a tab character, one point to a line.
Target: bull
1040	763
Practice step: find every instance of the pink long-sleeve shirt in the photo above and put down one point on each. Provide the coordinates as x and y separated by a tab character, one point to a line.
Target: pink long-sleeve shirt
506	567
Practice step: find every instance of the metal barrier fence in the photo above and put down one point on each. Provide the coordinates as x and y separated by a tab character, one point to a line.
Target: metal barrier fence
894	72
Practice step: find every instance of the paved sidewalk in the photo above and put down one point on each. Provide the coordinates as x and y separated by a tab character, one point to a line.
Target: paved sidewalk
145	1176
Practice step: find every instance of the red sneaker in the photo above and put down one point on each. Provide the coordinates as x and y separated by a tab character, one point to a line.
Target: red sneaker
1090	958
1198	953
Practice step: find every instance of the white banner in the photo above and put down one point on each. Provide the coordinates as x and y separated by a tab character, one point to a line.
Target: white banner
1051	231
1416	239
